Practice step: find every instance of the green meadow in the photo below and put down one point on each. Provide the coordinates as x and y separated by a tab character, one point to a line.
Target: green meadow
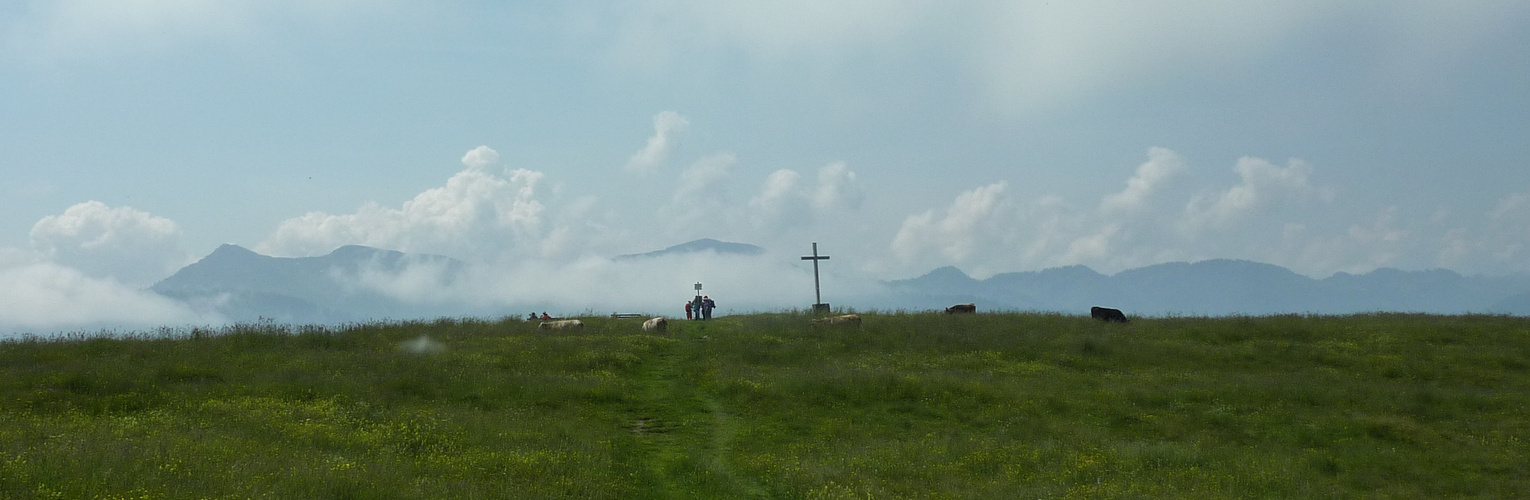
769	406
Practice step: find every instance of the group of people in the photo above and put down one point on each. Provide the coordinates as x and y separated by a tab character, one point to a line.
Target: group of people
699	308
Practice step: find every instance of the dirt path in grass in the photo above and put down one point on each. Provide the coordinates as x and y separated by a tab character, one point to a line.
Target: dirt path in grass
685	436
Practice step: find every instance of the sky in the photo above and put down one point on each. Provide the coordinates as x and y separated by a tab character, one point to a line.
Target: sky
136	136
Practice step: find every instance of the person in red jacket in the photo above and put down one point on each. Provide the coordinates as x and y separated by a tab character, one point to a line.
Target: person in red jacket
687	310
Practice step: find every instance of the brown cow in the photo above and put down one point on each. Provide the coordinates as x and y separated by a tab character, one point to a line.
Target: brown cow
660	325
961	309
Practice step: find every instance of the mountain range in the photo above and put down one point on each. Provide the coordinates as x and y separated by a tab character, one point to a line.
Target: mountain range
1223	287
244	286
701	245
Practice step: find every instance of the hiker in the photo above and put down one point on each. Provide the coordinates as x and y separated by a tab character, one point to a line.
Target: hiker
545	316
706	307
532	316
696	304
687	310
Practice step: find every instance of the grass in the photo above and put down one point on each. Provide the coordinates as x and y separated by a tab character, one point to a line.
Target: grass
767	406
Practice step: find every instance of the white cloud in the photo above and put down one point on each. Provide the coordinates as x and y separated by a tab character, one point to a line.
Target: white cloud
480	157
667	126
48	298
1273	214
786	201
700	205
838	187
1162	167
975	222
779	202
1261	185
15	257
132	246
480	214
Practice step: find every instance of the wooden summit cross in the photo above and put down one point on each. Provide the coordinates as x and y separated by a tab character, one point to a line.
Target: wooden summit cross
818	306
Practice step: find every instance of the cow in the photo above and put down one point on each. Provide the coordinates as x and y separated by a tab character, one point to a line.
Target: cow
1107	314
660	325
847	319
562	324
962	309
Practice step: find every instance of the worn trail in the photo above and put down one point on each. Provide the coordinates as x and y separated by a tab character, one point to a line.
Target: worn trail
684	435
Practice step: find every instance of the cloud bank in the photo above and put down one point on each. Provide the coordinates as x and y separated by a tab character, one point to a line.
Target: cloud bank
87	269
1029	56
530	241
1273	213
44	298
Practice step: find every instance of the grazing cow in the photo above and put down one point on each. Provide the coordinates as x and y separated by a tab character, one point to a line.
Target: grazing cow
660	325
961	309
562	324
1107	314
848	319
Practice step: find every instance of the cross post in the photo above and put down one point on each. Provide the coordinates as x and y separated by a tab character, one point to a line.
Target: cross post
817	293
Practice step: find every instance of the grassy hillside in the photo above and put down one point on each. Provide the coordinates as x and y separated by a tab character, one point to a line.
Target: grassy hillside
905	406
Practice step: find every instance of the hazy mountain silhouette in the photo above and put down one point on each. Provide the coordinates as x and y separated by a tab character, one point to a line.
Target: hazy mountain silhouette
1219	287
246	286
701	245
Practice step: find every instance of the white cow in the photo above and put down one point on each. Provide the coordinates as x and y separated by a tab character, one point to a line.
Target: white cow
660	325
562	324
848	319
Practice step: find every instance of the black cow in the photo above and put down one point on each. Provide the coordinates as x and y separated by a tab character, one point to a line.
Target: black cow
1107	314
962	308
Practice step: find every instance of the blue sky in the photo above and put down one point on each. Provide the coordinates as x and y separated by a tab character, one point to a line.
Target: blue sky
137	136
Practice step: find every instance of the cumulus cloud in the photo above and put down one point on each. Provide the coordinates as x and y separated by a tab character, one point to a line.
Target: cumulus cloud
779	202
1261	184
1151	178
977	220
129	245
1158	216
481	213
700	201
44	298
666	131
838	187
786	200
480	157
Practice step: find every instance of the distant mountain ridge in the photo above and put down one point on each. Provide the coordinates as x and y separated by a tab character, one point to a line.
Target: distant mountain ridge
246	286
1222	287
701	245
